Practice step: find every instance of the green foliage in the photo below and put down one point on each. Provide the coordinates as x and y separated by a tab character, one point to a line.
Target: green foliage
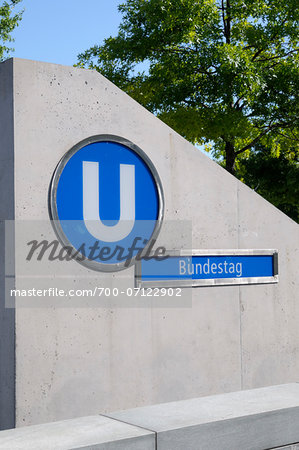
275	178
8	22
220	72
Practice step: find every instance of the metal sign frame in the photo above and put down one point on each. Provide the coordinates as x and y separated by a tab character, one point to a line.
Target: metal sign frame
139	283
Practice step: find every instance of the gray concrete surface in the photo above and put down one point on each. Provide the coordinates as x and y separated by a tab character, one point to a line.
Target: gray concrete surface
82	361
255	419
7	316
288	447
249	420
95	432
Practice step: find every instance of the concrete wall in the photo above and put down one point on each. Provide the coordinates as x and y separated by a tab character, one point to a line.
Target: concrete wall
249	420
82	361
7	316
289	447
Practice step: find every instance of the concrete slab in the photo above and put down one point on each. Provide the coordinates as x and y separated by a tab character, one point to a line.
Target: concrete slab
7	316
100	359
162	354
270	354
288	447
94	432
248	420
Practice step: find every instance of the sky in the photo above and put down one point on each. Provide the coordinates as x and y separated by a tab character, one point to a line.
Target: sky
57	30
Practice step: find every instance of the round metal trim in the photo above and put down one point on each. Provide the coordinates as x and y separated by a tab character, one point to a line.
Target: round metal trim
52	197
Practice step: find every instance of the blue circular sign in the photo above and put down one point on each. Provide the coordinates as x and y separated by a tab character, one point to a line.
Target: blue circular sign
106	202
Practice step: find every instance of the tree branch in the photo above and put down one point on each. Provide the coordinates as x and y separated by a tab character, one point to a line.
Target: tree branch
288	137
278	56
247	147
263	133
257	53
223	17
237	104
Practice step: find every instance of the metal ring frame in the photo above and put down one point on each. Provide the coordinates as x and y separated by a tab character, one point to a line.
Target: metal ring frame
52	199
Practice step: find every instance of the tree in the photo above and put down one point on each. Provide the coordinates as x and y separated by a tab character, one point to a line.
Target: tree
275	177
223	73
8	22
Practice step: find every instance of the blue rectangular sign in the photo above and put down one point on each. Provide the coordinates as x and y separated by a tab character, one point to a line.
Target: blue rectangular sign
238	267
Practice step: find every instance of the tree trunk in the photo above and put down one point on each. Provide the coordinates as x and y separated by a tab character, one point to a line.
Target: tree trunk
230	157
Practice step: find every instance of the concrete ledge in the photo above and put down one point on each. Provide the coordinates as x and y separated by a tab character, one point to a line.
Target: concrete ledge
288	447
94	432
248	420
258	419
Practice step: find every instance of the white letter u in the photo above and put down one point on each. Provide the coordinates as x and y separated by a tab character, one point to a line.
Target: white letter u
91	213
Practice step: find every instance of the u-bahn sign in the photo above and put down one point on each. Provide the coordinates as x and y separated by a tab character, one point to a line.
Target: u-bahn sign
106	193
